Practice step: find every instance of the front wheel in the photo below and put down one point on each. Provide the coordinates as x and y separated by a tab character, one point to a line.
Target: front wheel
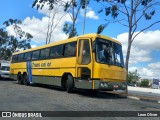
70	84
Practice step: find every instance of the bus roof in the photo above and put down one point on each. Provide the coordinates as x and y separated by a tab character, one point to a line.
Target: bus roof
93	35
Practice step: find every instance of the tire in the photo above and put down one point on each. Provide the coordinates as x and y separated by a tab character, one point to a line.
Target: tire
70	84
25	79
94	92
19	79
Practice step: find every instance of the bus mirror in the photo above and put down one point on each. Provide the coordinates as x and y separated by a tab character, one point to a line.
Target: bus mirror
94	46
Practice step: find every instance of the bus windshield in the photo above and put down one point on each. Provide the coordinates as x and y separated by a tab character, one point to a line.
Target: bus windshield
108	52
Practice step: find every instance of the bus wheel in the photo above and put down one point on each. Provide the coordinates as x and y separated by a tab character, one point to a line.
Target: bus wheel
94	92
70	84
25	79
19	78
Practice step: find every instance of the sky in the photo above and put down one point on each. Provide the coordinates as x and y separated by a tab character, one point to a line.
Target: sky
145	52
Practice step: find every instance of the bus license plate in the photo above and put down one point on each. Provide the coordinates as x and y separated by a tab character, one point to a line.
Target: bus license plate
115	86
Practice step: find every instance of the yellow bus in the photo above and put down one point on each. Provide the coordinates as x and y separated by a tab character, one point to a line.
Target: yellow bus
90	61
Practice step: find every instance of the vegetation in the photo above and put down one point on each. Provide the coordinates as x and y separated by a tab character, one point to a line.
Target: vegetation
10	43
144	83
133	78
132	14
71	7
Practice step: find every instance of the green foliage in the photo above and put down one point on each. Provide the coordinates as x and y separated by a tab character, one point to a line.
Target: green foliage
112	9
67	29
101	28
9	43
83	3
144	83
129	14
145	2
39	4
133	77
67	5
148	16
72	7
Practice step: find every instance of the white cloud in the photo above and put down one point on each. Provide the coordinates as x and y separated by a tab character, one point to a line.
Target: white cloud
147	72
142	45
33	46
89	14
141	51
155	66
148	40
38	27
10	30
92	15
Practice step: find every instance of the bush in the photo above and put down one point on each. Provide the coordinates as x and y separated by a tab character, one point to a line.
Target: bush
138	84
144	83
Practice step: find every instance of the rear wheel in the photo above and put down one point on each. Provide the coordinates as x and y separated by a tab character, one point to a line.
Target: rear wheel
19	78
70	84
25	79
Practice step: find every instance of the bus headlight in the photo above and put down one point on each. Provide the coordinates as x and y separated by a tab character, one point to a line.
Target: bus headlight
124	86
102	84
105	84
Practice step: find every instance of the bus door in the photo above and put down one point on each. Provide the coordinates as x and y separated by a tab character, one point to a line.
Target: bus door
84	64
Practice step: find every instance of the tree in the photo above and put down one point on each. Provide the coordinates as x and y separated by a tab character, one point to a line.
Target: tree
72	7
10	43
133	77
133	13
144	83
54	6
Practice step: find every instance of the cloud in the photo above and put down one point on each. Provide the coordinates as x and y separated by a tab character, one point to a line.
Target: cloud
89	14
155	66
33	46
92	15
10	30
38	26
142	46
149	72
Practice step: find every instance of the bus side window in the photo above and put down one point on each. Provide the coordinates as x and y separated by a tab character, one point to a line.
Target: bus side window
20	57
56	51
35	55
27	56
70	49
14	58
44	53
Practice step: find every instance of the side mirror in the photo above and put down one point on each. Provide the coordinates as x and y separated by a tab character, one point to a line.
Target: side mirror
94	46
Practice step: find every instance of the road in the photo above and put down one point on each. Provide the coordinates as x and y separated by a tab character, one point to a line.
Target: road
15	97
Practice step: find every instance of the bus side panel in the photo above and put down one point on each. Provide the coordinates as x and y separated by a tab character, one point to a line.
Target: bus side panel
50	71
16	68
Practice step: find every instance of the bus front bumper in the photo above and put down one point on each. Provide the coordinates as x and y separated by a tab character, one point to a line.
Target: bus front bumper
109	86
